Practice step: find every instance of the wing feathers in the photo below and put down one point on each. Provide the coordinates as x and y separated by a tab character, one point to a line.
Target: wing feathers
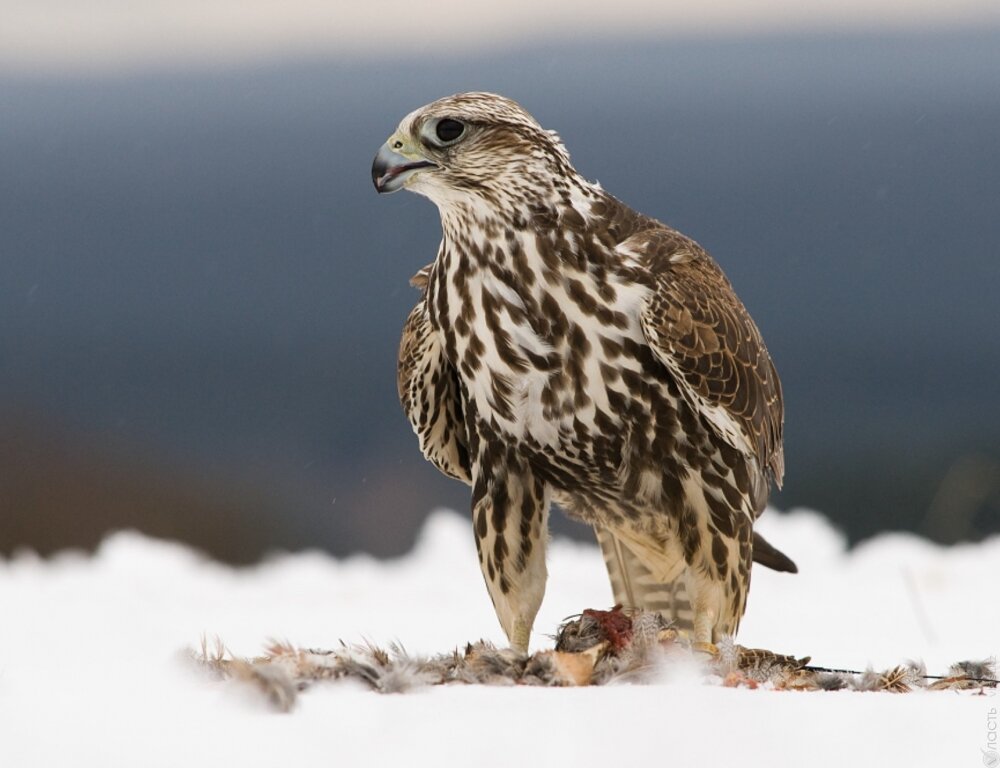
431	396
700	330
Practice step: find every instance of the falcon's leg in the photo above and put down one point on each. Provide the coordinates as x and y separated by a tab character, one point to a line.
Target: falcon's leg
708	607
718	584
648	576
510	517
634	585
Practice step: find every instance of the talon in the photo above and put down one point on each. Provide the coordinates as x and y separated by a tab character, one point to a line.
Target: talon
707	648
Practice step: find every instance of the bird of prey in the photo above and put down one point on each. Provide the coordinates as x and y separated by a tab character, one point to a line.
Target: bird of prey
568	349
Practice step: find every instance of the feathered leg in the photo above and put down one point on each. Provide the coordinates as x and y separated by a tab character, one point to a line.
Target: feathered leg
634	585
698	578
718	582
510	517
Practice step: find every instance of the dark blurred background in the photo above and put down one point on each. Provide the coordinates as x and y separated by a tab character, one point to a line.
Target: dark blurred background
201	293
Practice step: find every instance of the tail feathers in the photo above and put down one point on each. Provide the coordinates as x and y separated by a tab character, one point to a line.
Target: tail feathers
769	556
635	587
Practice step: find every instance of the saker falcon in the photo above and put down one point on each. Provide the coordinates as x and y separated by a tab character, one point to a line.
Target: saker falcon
568	349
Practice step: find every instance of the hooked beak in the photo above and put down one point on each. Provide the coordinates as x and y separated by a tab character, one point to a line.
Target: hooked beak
390	170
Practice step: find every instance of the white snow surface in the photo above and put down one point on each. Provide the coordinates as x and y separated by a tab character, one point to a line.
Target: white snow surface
92	670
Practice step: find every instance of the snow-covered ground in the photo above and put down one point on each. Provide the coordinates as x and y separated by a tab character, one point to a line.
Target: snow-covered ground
92	670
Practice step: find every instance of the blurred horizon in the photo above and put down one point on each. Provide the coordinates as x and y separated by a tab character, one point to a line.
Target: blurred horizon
105	37
201	295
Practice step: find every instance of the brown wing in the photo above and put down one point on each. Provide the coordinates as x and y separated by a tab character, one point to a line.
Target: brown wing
701	331
431	397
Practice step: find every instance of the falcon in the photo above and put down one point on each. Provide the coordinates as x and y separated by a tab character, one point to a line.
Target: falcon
567	349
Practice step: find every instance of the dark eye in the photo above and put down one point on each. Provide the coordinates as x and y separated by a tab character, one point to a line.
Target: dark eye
448	130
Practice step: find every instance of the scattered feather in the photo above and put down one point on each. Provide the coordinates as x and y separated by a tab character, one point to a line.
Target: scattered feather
594	648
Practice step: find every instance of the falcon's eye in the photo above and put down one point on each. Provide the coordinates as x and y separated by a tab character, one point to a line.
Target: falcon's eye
448	130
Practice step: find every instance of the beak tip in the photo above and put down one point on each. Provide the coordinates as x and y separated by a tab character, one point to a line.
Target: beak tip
379	169
390	170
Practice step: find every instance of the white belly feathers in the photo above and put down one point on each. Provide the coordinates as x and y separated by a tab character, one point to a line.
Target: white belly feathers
542	399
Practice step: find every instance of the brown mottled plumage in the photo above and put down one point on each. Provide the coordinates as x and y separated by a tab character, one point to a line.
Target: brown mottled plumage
566	348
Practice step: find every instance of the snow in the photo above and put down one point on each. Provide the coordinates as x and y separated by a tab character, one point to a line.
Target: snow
92	671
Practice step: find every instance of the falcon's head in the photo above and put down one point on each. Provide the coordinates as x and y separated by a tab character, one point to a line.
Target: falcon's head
471	145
